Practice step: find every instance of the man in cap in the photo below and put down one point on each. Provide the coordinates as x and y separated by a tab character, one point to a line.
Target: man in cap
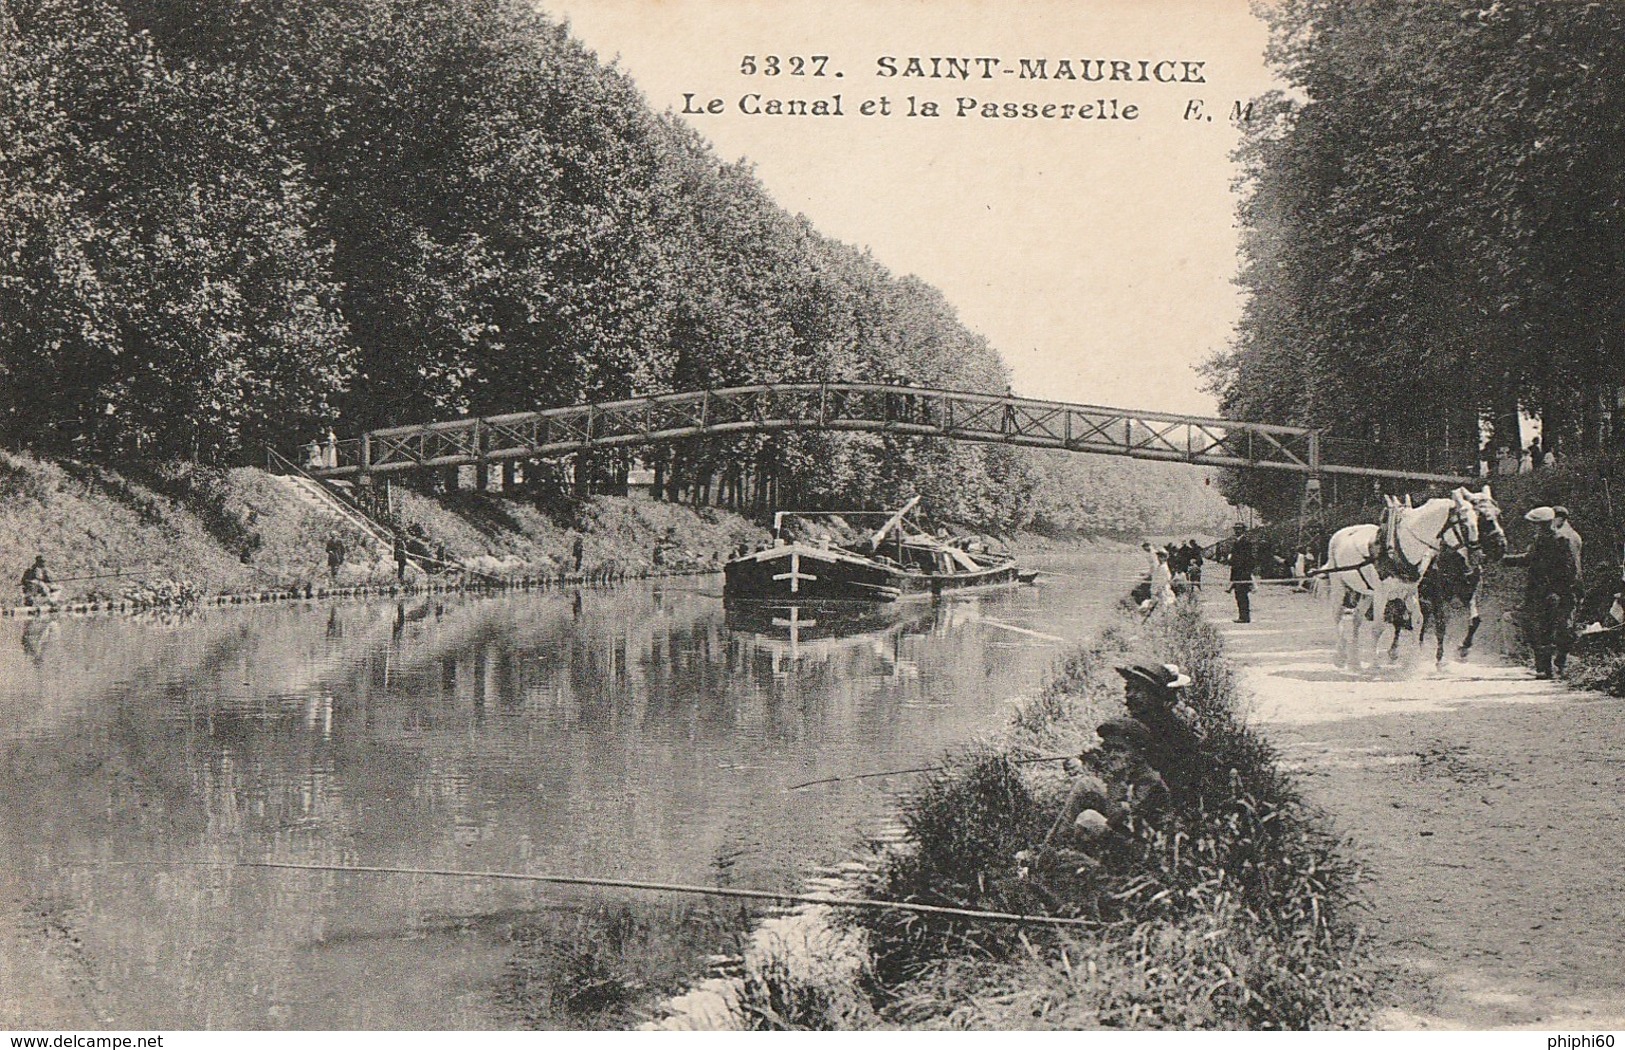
335	557
1102	799
1124	776
1550	591
1243	567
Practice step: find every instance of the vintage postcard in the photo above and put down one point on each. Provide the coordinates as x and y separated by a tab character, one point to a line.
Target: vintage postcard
893	515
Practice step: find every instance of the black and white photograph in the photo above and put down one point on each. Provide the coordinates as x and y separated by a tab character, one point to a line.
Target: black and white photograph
811	515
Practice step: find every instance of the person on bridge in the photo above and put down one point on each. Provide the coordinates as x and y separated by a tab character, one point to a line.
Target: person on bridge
1550	592
1243	568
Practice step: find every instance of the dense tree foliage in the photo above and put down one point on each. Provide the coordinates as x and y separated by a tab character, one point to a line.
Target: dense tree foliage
1433	229
226	224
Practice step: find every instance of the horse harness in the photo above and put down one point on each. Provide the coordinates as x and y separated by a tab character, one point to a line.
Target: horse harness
1387	555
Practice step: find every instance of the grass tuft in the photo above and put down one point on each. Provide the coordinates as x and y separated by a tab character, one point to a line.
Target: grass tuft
604	966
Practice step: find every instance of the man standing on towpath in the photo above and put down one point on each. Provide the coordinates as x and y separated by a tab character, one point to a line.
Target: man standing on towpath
335	557
1550	591
1243	567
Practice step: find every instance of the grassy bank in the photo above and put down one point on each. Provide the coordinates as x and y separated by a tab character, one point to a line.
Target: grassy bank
1228	910
601	966
177	528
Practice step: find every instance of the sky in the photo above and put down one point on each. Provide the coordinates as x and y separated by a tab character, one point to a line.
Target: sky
1096	255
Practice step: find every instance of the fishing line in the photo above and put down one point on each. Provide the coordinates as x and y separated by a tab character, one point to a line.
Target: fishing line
661	887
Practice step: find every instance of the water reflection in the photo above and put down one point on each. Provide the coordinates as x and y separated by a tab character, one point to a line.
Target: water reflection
643	732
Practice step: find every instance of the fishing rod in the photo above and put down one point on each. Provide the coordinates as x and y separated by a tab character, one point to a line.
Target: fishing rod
103	575
459	565
914	769
660	887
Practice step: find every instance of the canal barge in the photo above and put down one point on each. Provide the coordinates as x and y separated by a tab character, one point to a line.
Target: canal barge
826	556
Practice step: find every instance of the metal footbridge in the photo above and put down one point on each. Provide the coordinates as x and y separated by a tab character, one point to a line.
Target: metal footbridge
876	408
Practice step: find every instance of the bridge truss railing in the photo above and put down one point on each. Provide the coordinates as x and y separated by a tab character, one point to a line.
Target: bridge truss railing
859	407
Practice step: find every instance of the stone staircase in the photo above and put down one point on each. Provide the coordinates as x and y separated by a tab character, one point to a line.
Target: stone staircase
318	497
329	498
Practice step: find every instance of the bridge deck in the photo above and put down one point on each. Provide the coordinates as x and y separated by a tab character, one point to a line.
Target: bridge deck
875	408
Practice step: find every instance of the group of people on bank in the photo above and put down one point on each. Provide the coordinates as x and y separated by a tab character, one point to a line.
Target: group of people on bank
1171	570
1507	459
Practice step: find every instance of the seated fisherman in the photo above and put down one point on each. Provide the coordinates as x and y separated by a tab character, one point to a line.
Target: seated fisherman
37	586
1121	784
1140	761
1152	695
1115	783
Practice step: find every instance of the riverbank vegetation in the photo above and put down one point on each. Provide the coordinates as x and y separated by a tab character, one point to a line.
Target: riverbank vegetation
141	532
1230	910
1431	232
601	966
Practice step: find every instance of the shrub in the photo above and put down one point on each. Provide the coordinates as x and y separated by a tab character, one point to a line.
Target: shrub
965	826
1603	672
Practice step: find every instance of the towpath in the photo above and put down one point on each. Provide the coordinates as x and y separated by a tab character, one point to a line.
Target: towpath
1485	805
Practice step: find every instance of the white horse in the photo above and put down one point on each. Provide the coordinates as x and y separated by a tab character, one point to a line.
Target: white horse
1455	521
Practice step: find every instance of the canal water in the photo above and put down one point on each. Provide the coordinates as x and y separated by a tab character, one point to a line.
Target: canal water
640	732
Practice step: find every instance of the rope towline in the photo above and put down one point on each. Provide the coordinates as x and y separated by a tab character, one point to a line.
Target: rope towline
1327	570
670	887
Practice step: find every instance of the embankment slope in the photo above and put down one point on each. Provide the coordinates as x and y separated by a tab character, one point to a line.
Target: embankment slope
244	529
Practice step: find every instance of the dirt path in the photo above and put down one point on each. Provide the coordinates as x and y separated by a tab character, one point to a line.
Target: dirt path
1485	805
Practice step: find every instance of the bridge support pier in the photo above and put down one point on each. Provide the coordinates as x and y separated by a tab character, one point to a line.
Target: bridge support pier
1311	496
1310	509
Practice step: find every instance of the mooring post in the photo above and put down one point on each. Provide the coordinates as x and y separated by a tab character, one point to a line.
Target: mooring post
363	469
